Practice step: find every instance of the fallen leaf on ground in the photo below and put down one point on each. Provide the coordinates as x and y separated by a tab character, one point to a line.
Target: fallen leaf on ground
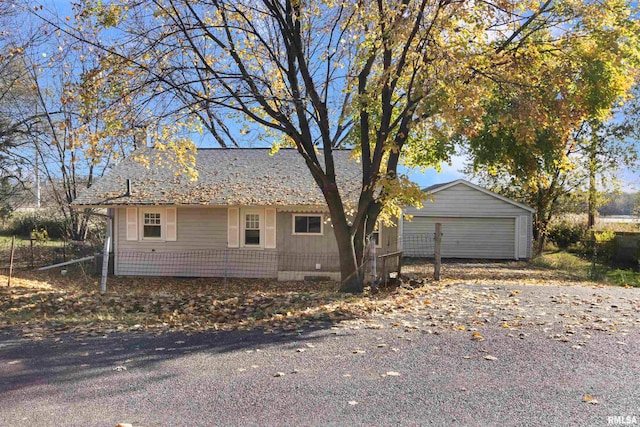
476	336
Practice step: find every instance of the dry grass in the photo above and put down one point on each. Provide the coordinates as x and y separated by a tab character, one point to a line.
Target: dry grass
79	281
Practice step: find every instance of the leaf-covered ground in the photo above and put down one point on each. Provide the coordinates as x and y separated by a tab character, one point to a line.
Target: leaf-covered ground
515	296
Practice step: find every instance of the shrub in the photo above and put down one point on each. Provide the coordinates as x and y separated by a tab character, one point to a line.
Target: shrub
564	234
624	278
24	225
40	235
604	244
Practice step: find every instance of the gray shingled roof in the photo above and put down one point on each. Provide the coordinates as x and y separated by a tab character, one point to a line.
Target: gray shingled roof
435	186
225	177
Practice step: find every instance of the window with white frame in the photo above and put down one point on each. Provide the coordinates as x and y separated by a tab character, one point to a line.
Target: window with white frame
151	225
376	236
252	229
307	224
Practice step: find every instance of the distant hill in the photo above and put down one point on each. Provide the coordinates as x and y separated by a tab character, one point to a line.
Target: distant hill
621	204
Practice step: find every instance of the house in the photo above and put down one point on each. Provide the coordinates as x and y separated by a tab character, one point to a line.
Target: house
476	223
249	214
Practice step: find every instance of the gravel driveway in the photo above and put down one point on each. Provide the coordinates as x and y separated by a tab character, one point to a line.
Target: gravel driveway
466	354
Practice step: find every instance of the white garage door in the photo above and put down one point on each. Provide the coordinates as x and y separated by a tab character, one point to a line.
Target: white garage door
491	238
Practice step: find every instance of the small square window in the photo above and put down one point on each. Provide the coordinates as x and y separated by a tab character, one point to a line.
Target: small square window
307	224
375	237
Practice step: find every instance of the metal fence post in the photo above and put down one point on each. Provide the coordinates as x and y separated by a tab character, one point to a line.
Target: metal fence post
226	262
13	242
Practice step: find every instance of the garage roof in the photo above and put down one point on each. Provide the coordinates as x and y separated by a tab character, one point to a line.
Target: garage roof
433	189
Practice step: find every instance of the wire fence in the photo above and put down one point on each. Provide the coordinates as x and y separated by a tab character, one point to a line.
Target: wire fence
377	263
265	263
418	245
33	254
224	263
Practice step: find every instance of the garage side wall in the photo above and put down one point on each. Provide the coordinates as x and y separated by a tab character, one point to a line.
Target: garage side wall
475	224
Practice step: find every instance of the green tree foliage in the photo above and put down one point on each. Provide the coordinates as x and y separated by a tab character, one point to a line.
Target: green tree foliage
544	138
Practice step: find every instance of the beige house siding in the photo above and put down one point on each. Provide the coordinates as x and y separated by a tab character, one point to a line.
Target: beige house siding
199	251
306	252
200	248
198	229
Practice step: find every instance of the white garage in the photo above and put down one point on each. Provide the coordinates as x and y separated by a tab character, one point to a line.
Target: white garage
476	223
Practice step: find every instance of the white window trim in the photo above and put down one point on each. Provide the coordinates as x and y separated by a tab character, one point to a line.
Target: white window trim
243	224
293	224
379	230
163	225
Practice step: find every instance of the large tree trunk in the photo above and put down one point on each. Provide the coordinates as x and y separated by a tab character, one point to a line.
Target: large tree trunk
350	275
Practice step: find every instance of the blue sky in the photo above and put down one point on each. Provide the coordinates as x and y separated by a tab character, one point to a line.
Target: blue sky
629	179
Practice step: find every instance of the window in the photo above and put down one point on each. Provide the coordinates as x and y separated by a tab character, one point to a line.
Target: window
157	224
307	224
376	236
252	229
151	225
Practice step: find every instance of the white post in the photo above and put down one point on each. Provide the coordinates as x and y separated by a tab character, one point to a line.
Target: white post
37	171
105	256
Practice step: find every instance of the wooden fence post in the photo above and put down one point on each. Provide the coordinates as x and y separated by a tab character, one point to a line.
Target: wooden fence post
13	242
438	243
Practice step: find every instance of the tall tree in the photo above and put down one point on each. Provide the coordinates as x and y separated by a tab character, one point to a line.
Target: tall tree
14	94
65	124
544	135
392	79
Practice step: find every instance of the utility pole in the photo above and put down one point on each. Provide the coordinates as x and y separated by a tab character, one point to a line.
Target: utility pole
37	171
37	166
